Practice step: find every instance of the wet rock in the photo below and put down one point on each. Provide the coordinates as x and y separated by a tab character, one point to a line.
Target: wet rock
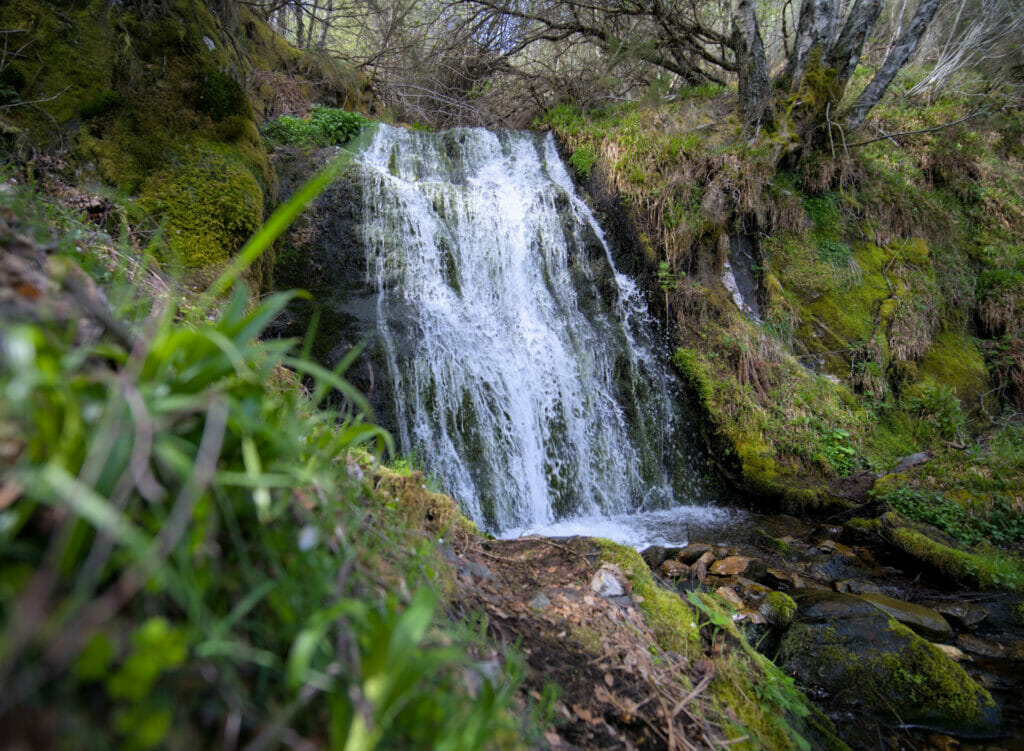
609	581
750	616
751	592
692	552
777	577
964	617
700	566
920	619
654	556
909	462
778	609
875	667
837	548
978	646
673	569
829	531
856	587
780	525
729	595
734	565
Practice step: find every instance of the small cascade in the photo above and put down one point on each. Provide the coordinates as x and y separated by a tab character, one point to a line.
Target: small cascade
523	368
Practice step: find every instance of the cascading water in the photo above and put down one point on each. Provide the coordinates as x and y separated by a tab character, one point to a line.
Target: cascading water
521	364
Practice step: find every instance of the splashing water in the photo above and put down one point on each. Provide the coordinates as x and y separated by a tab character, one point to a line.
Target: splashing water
522	366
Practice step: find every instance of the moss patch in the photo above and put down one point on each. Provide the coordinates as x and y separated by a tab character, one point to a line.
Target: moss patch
211	203
954	359
989	570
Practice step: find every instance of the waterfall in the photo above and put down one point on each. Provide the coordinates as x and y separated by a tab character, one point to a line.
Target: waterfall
522	367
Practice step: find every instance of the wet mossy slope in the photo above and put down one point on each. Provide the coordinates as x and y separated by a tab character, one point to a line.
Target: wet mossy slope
163	106
887	297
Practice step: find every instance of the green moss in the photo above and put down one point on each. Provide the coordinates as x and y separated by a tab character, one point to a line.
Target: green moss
210	201
778	609
696	374
992	570
1017	611
955	360
929	680
908	680
671	621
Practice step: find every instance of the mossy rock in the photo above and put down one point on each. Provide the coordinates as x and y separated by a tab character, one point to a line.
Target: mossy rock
779	609
872	665
210	202
669	618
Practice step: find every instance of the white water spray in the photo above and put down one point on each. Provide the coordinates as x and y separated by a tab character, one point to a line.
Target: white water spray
521	363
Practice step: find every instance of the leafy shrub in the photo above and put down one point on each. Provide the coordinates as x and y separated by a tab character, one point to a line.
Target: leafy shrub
325	126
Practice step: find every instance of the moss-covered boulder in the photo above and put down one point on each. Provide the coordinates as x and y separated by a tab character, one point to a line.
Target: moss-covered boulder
942	558
877	668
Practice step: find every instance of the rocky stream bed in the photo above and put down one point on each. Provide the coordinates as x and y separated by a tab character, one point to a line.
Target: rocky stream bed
895	661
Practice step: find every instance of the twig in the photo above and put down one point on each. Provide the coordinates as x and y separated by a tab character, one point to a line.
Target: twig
971	116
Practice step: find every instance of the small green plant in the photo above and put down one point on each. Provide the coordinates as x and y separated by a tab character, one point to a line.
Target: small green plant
937	409
325	126
837	451
208	518
583	160
997	522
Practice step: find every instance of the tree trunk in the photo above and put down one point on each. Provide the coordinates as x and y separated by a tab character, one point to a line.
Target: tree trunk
300	24
816	28
751	63
847	50
897	58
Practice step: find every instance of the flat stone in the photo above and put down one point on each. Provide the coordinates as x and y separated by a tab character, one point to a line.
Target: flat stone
978	646
693	551
909	462
738	564
952	652
729	595
674	569
924	621
540	602
855	587
961	615
778	577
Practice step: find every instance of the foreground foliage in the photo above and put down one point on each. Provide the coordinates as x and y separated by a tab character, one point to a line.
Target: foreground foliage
189	554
